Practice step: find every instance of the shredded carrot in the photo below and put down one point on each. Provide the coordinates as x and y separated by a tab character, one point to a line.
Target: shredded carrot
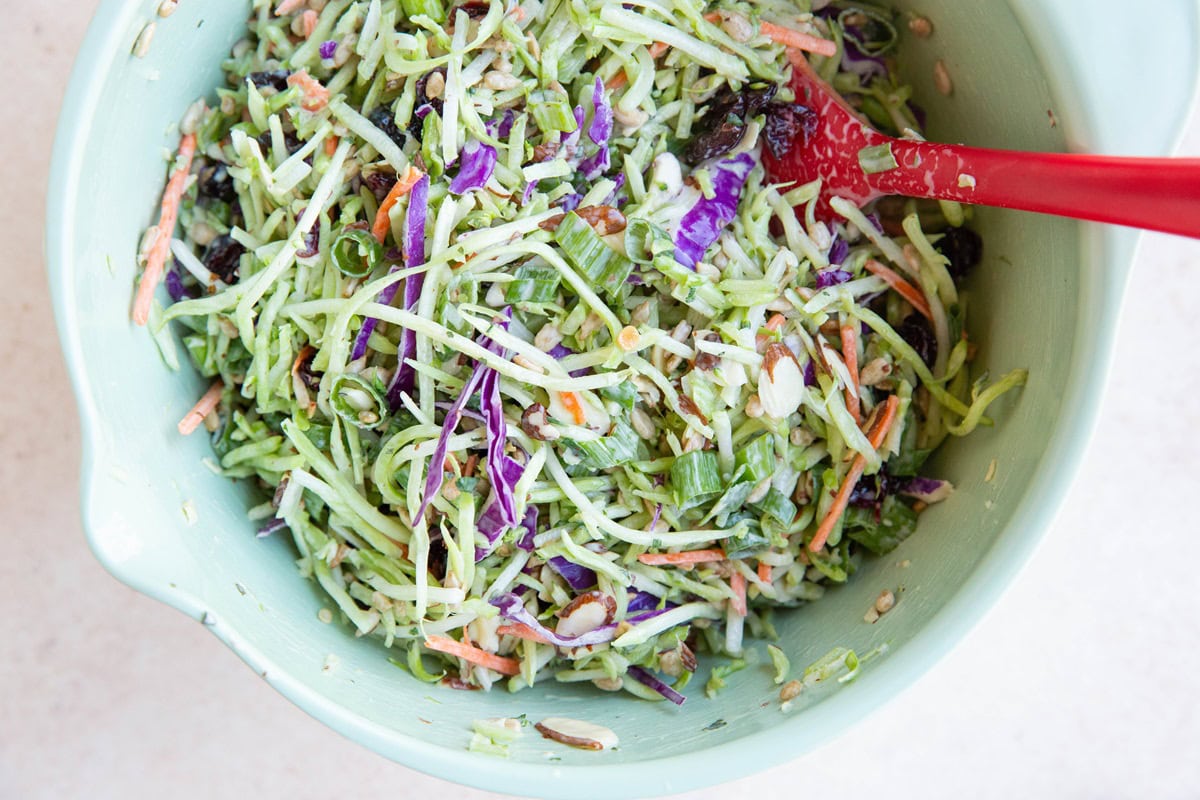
402	187
316	96
157	257
467	652
289	7
681	559
850	356
712	17
901	286
204	405
764	572
622	78
879	431
517	13
522	631
331	145
797	40
571	403
775	322
308	22
737	582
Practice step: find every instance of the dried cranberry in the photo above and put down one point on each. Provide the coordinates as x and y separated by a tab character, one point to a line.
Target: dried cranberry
222	258
417	126
304	370
917	331
383	119
277	79
379	182
963	247
291	142
215	182
437	557
785	124
476	9
871	491
724	122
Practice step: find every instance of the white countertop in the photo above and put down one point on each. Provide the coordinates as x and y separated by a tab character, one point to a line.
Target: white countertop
1083	682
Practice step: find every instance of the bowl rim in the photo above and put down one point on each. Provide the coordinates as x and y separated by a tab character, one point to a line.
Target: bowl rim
751	753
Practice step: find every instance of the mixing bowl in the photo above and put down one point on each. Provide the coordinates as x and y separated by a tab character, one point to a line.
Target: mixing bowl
1030	74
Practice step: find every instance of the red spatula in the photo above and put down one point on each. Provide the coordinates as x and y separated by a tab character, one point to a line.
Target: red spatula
855	162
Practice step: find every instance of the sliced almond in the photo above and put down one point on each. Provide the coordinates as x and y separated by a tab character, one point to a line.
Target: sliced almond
586	613
781	382
576	733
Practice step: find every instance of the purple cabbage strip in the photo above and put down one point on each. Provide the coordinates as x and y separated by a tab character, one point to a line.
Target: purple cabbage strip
504	128
503	472
864	66
491	526
512	608
810	374
838	251
571	201
478	163
577	577
414	256
422	111
559	351
602	117
642	676
175	287
595	165
327	49
620	181
832	277
528	193
529	523
929	490
270	527
573	138
642	601
703	223
436	473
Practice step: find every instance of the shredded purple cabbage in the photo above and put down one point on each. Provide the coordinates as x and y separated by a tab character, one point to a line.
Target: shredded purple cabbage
643	601
839	251
832	277
642	676
602	117
478	163
577	577
810	374
929	490
270	527
703	223
327	48
529	523
503	472
504	127
528	193
414	256
619	181
175	288
595	165
571	201
513	608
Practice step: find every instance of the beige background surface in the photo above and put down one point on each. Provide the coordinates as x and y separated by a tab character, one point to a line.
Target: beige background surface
1084	682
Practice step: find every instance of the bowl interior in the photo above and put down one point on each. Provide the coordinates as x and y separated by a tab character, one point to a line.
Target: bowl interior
140	472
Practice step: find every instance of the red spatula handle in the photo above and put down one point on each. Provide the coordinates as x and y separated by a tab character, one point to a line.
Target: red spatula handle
1154	193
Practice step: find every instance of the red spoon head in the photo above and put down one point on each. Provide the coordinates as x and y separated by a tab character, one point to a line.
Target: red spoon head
830	152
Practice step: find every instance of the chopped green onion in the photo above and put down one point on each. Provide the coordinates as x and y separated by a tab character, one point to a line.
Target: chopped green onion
533	285
356	252
695	478
603	266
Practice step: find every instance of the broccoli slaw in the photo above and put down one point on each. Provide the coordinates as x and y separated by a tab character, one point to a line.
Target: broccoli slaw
542	375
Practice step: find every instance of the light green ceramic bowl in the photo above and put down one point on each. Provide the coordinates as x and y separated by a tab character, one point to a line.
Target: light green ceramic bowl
1047	297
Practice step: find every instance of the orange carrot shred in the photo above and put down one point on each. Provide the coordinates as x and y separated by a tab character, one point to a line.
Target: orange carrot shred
402	187
204	405
879	431
331	145
157	257
737	582
797	40
471	653
622	78
764	572
522	631
901	287
571	403
681	559
289	7
316	96
308	22
850	356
